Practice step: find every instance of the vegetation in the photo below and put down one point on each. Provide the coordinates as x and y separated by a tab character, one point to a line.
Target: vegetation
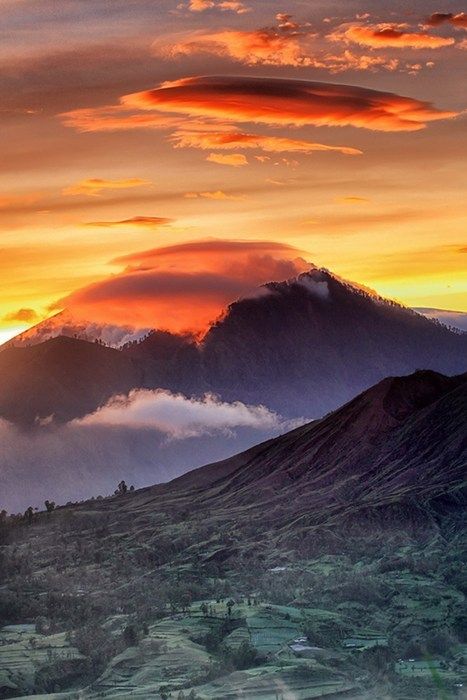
99	595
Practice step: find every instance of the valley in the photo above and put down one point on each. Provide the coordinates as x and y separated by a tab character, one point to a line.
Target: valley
246	579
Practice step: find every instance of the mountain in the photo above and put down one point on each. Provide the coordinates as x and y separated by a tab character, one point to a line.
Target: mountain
300	347
399	446
326	562
62	377
452	319
306	345
72	326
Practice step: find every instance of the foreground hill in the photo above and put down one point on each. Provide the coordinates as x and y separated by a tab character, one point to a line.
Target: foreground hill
324	563
301	347
401	446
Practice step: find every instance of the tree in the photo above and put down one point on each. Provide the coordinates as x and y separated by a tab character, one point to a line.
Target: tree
122	488
50	506
130	636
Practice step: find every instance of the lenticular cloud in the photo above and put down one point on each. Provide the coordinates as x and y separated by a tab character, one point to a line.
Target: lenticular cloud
279	101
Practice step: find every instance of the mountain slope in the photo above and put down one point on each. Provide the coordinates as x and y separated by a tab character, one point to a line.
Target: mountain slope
343	538
68	324
400	443
301	347
307	345
62	377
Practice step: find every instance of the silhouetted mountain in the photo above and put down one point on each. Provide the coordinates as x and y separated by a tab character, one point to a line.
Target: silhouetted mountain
401	443
452	319
308	345
305	346
69	324
64	378
301	347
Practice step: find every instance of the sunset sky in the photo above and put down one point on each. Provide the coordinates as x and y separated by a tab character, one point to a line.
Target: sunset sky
176	154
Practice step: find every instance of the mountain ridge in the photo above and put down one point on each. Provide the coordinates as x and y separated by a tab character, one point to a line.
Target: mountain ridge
335	340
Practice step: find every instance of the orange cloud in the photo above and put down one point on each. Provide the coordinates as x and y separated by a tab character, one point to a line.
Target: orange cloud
389	35
437	18
95	186
271	46
236	160
145	221
353	200
286	44
183	287
277	101
218	195
21	316
232	140
16	202
115	118
224	5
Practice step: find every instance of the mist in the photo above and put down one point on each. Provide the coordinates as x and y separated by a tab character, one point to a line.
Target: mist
146	438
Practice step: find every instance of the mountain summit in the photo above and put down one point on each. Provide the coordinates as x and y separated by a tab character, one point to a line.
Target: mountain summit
301	347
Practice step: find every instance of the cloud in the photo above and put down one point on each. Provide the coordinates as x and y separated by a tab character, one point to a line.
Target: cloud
455	319
180	417
93	187
22	315
269	47
186	253
218	195
237	160
183	288
353	200
457	20
224	5
16	202
144	221
114	118
388	35
81	460
290	43
230	140
279	101
318	288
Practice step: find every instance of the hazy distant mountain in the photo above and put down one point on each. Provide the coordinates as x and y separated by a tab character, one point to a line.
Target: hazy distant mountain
301	347
62	378
454	319
68	324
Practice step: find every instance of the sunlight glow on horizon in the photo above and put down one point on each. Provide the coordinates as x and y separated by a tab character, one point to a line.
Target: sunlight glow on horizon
136	152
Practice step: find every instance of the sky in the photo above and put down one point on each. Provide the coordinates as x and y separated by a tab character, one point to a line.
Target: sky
160	159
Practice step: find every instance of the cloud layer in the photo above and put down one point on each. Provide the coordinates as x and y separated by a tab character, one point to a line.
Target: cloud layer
457	20
233	139
390	35
180	417
183	287
95	186
148	438
144	221
277	101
